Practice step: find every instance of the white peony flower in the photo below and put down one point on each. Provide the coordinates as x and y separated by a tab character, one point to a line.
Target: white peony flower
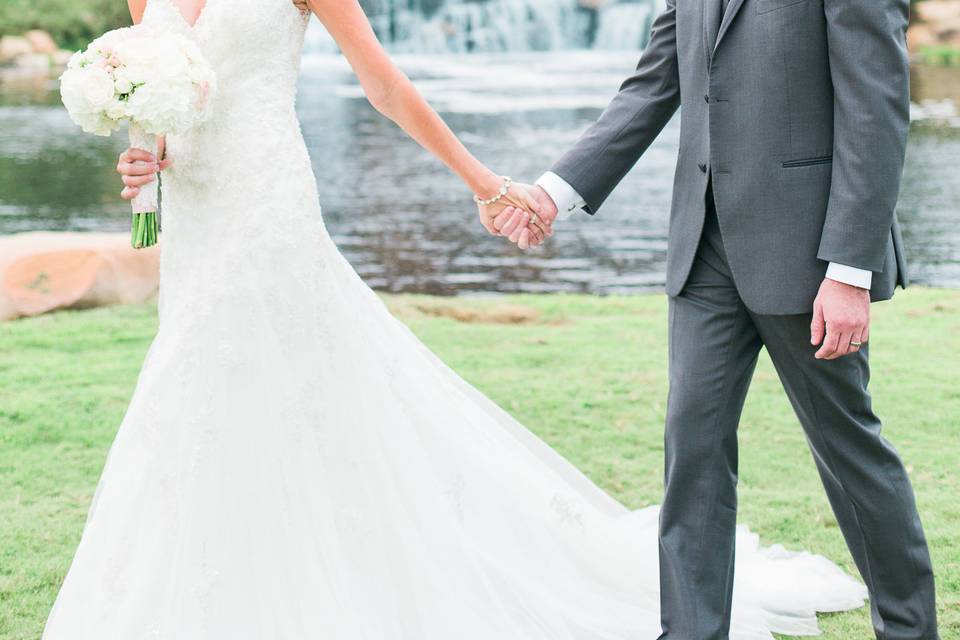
121	81
77	60
116	110
97	87
110	40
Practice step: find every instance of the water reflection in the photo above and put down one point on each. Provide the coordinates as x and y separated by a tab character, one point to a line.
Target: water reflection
407	225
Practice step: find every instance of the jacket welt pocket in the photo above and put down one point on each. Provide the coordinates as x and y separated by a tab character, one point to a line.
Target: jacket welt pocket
766	6
807	162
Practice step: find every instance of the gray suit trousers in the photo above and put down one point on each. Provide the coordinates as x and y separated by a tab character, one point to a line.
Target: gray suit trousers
715	341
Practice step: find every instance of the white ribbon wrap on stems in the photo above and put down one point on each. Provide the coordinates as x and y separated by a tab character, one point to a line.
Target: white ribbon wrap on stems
146	200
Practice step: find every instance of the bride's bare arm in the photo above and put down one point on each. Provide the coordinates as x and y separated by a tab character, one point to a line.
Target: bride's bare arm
137	7
390	91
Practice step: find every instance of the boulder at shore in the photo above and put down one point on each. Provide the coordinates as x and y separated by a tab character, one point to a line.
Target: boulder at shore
41	42
47	271
35	53
935	23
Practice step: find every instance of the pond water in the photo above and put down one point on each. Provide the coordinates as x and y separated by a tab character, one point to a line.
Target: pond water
406	224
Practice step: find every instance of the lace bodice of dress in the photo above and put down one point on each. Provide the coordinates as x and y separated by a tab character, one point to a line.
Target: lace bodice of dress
241	189
254	46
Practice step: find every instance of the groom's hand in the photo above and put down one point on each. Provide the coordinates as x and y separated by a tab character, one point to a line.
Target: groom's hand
548	208
841	319
521	216
526	231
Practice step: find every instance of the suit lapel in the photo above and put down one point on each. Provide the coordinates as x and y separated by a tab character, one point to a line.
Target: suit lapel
711	25
732	10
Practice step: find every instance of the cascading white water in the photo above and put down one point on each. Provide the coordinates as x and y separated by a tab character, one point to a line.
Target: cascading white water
626	26
464	26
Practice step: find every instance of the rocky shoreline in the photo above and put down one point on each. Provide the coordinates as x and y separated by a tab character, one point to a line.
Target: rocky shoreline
33	53
48	271
934	34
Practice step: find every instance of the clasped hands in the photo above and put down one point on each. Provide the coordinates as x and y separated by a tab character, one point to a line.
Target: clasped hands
524	215
841	316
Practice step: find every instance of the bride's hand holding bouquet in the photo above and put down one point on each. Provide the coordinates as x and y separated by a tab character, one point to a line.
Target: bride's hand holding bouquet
157	82
138	168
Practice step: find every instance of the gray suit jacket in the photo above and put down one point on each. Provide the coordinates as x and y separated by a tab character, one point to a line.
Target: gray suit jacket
798	110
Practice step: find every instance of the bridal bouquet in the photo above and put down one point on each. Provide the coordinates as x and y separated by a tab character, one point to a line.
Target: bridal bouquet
159	83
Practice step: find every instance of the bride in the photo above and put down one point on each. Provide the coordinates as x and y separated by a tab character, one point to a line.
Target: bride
295	464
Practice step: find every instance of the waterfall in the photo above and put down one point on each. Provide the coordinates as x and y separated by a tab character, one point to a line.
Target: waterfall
466	26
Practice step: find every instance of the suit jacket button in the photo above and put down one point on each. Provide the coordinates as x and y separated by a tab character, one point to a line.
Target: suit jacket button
706	99
703	167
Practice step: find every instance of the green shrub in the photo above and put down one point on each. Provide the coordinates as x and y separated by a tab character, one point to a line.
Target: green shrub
941	55
72	23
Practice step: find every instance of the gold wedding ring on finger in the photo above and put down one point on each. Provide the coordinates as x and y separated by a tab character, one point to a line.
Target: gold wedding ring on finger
855	344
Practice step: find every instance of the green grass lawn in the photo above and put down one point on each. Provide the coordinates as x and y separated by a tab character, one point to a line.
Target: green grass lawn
594	374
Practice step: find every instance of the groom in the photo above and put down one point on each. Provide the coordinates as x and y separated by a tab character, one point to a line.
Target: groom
782	232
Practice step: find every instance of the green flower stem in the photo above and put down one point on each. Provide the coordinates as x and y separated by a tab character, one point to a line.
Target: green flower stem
144	231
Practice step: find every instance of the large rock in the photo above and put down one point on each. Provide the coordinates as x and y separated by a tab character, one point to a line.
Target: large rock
13	46
937	22
44	271
41	42
942	12
921	35
61	57
33	62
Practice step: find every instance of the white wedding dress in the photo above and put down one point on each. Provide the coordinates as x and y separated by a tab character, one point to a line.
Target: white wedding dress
296	465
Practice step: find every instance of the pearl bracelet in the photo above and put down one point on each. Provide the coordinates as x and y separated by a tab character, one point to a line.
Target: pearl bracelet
503	191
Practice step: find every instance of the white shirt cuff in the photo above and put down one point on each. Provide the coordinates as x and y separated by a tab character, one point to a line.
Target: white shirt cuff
850	275
563	195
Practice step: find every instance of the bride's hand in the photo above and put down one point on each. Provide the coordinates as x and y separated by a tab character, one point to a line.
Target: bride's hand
523	228
302	6
517	217
138	168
